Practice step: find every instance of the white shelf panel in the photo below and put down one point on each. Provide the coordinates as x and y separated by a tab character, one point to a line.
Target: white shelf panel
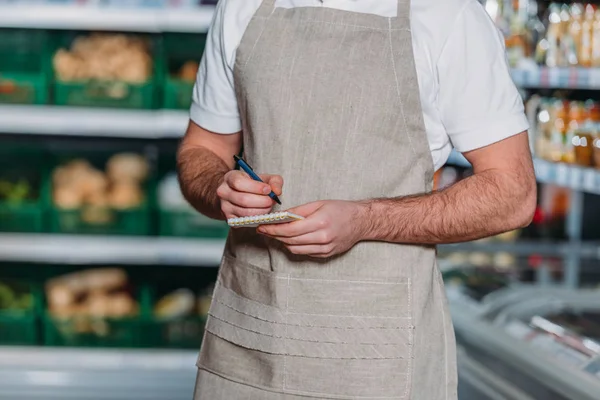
571	176
39	373
74	121
96	359
558	78
81	249
565	175
107	18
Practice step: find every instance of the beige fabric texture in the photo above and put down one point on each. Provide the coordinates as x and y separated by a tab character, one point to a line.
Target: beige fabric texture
372	323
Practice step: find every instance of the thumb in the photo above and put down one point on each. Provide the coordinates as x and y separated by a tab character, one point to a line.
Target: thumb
275	181
308	209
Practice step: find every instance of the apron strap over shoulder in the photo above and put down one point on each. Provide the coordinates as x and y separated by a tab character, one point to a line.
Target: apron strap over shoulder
266	8
402	20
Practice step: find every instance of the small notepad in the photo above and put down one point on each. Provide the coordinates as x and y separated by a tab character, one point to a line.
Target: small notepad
266	219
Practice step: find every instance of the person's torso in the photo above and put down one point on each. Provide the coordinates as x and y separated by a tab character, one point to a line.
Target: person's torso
431	23
330	100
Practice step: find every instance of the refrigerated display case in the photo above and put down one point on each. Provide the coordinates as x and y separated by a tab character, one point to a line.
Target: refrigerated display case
526	342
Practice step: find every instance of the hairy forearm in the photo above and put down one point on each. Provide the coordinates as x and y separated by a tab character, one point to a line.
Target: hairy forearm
200	173
482	205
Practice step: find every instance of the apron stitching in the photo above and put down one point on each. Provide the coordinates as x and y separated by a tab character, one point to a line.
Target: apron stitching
287	301
264	27
348	316
445	341
294	392
349	281
313	340
410	348
261	271
220	284
412	147
312	326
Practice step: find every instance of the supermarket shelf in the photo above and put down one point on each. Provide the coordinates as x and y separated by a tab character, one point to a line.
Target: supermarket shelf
572	176
81	249
557	78
117	18
55	120
96	374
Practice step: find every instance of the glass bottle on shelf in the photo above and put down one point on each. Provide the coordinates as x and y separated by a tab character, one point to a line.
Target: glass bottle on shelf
516	41
576	119
587	28
552	36
535	30
557	134
574	33
595	122
567	54
583	137
596	40
545	123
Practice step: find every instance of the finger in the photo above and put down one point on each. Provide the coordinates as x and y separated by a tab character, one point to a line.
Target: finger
314	238
310	250
241	182
245	200
308	209
233	211
291	229
275	181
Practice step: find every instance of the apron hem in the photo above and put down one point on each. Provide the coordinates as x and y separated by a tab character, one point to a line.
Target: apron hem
292	392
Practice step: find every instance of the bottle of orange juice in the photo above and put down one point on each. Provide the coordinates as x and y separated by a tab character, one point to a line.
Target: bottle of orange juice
596	40
587	28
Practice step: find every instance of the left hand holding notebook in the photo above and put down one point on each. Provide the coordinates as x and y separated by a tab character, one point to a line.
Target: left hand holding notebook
328	228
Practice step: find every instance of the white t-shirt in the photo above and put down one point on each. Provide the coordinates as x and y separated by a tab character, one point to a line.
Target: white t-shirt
468	98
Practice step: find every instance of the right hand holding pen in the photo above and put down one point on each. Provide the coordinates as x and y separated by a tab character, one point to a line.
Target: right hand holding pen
241	196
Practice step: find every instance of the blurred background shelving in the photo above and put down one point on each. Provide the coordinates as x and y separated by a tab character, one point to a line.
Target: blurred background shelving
106	272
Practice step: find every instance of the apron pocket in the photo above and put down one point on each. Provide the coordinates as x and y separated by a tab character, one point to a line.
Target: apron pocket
312	318
264	328
347	379
329	338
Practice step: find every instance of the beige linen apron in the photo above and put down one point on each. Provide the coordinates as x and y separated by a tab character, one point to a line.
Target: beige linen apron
329	99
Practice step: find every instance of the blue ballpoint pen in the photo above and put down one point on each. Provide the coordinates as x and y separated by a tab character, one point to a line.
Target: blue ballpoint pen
248	169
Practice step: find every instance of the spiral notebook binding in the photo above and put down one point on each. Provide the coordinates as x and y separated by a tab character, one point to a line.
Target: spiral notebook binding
265	219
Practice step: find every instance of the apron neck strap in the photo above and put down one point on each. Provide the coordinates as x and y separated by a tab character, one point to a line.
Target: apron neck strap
266	8
402	20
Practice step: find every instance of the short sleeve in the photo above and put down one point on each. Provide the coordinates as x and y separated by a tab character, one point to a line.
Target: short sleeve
214	103
477	99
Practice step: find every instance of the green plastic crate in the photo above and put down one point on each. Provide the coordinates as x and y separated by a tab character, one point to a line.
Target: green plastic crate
24	66
16	163
86	331
21	218
178	49
191	224
18	329
105	94
21	327
180	333
183	332
117	94
23	88
178	94
130	222
133	222
96	332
